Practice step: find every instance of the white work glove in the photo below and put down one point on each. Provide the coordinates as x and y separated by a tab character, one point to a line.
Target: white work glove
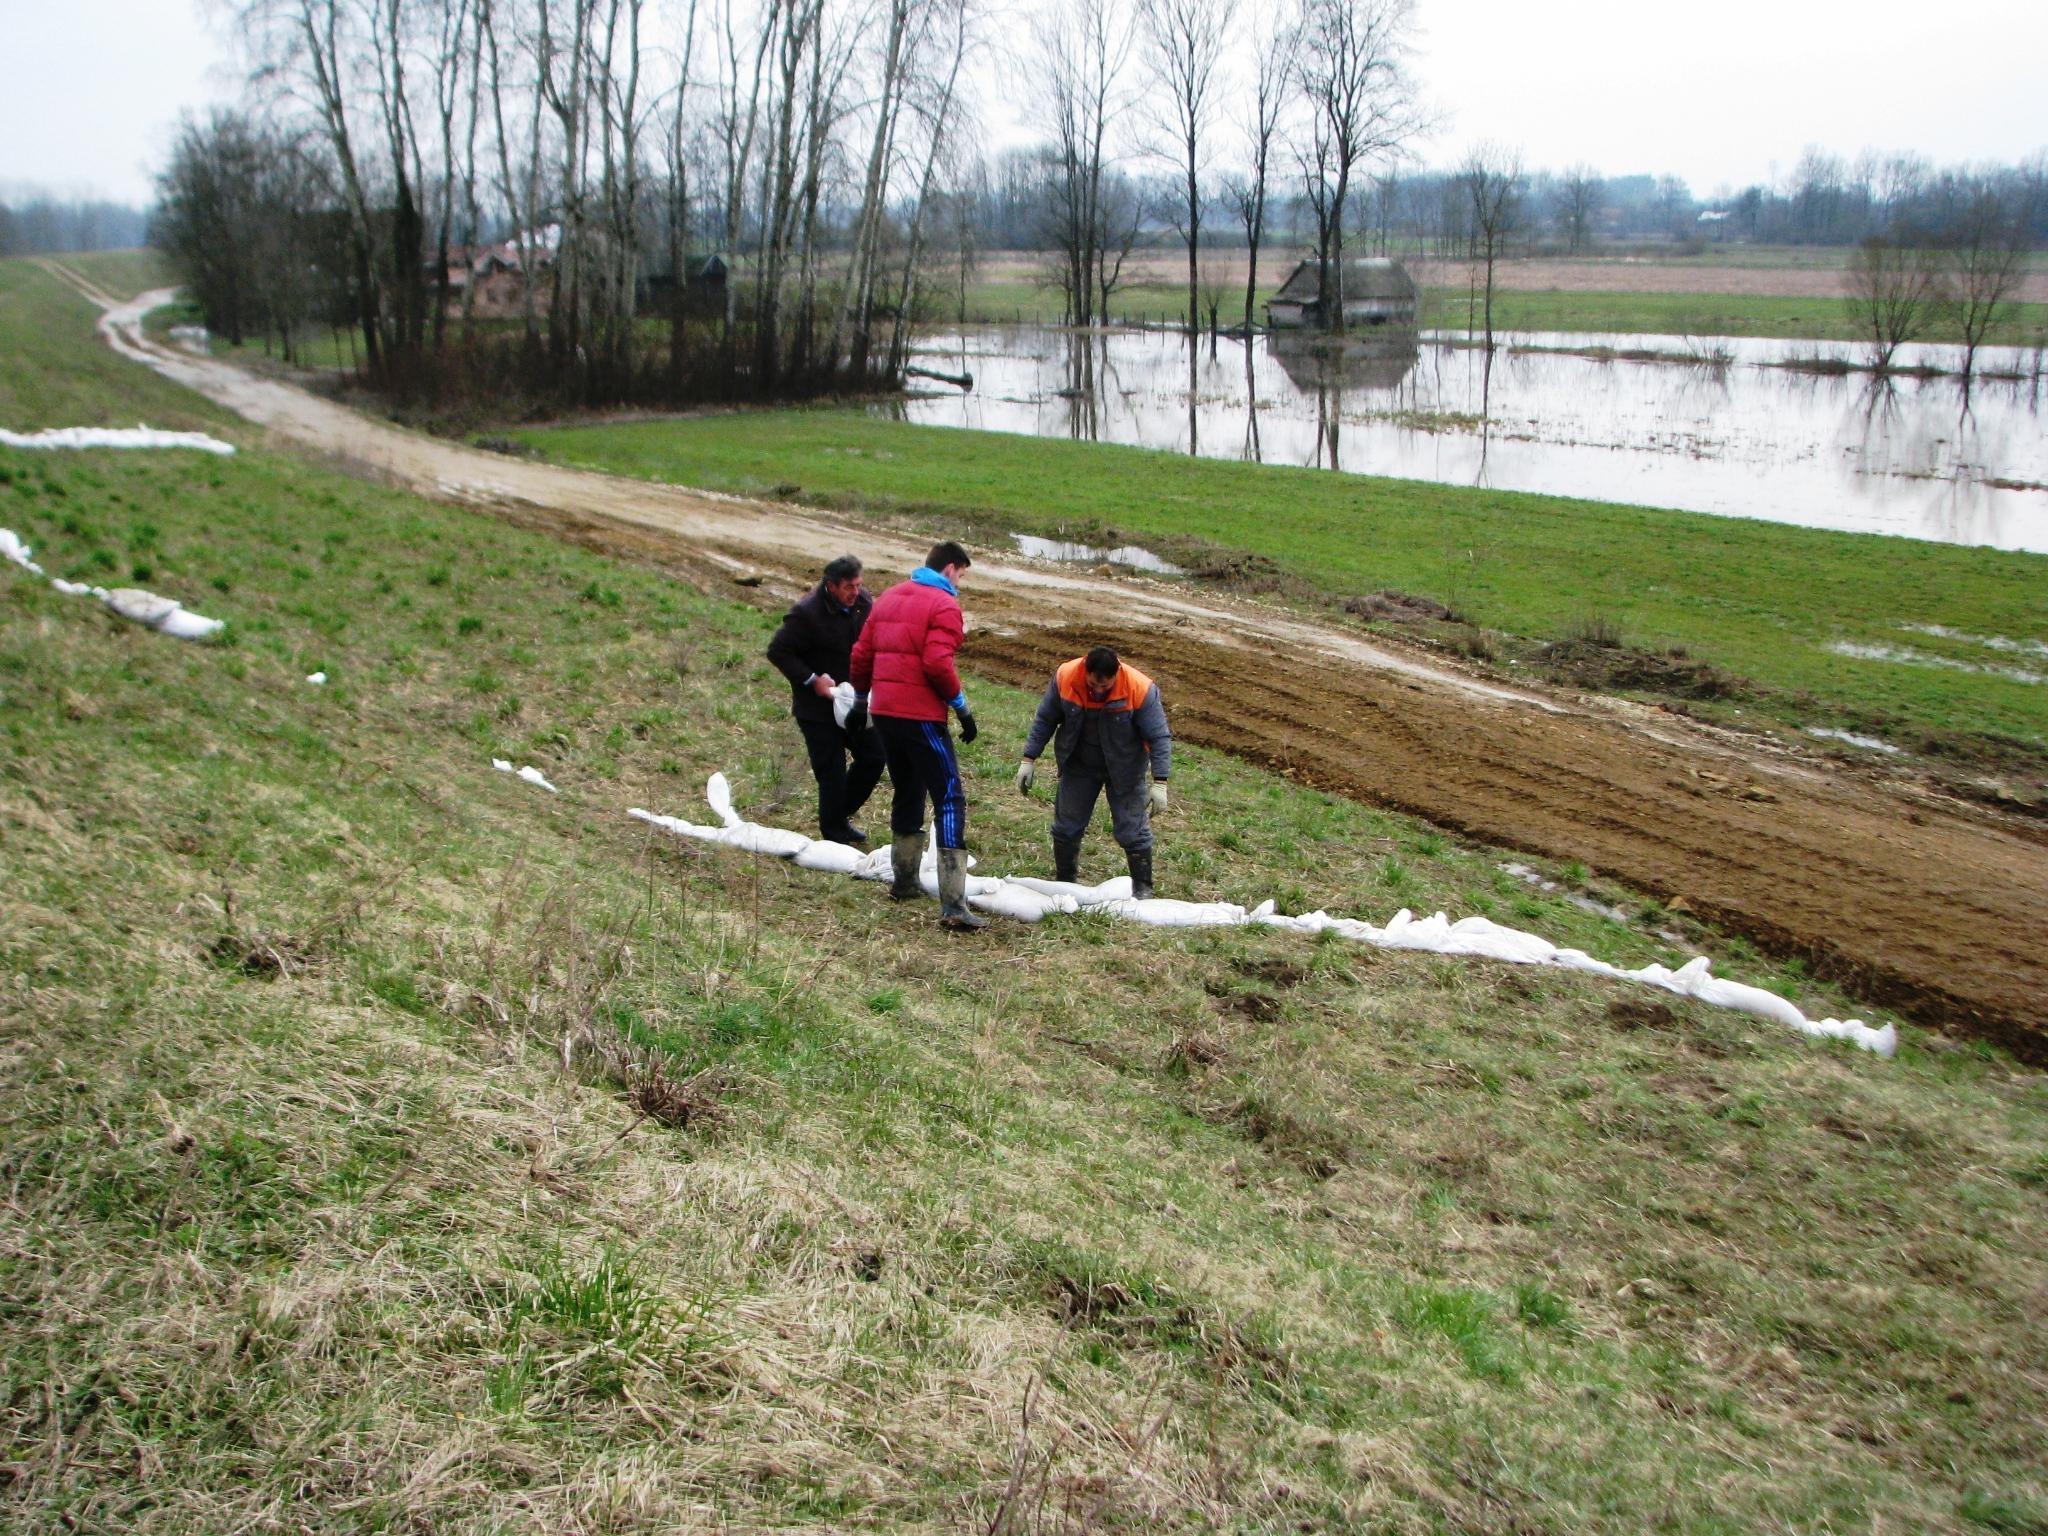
1027	775
1158	796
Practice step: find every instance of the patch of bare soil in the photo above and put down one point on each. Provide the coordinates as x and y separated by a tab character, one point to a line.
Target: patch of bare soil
1913	900
1595	275
1617	669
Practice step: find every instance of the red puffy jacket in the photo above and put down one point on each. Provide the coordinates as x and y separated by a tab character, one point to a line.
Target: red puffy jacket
903	660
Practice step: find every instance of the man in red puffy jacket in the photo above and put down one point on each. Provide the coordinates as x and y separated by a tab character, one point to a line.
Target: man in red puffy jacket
903	667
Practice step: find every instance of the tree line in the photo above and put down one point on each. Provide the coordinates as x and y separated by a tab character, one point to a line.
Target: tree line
392	154
40	224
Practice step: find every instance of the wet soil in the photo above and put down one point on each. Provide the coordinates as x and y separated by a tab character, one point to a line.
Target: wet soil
1910	898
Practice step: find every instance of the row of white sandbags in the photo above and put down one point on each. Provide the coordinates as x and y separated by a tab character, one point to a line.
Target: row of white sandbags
164	615
113	437
1029	900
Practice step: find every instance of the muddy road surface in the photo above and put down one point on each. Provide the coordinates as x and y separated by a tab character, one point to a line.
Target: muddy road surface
1929	906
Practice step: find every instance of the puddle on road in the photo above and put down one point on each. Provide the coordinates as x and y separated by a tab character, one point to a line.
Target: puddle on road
1088	554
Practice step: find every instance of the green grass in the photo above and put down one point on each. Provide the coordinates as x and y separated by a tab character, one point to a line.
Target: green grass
1762	600
333	1202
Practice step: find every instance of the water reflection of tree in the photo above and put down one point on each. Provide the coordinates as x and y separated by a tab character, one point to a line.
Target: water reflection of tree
1329	366
1252	450
1083	389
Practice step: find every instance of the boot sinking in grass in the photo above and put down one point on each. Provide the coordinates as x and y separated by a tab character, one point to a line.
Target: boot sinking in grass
1140	862
905	855
953	909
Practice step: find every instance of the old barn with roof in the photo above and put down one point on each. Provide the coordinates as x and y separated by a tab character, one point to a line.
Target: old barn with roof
1377	291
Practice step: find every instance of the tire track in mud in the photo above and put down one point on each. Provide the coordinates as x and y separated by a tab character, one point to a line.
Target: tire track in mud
1927	906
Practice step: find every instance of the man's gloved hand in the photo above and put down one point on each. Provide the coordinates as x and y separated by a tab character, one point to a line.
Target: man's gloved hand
1158	796
1027	774
968	729
857	717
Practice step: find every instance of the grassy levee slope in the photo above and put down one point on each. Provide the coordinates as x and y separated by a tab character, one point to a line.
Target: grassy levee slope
390	1144
1762	600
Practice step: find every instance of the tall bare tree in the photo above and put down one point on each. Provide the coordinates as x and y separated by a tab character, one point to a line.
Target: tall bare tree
1895	291
1579	193
1080	49
1492	181
1185	45
1985	258
1351	63
1272	68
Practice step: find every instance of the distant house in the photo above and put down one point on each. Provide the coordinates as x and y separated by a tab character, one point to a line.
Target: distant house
1377	291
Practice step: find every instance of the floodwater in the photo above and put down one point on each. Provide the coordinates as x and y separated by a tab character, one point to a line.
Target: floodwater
1712	425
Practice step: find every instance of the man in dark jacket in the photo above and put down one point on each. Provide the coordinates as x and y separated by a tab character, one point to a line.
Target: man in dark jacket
1108	729
814	649
903	667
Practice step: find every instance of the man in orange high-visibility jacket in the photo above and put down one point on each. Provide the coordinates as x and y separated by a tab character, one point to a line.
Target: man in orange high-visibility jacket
1108	729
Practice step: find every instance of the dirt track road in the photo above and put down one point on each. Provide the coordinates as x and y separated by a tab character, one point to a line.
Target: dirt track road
1925	905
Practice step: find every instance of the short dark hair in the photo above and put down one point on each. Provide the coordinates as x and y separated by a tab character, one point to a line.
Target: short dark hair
1103	662
844	568
945	553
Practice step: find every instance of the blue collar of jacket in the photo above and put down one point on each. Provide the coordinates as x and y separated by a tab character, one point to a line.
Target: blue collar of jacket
925	576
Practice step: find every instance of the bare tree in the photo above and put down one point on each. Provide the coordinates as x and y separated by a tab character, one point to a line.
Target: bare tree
1895	291
1079	51
1492	180
1351	63
1580	192
1186	45
1985	259
1272	66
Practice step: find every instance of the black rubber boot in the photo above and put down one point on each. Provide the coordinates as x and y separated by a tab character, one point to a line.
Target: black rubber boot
953	909
1066	860
1140	861
905	854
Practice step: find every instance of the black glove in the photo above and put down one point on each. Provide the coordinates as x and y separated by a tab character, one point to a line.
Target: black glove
857	717
968	729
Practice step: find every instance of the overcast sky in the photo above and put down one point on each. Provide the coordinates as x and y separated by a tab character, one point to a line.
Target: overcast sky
1721	95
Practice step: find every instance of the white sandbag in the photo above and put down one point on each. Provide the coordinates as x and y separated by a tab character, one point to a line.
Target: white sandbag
1084	896
830	858
772	841
1006	898
12	548
1163	912
529	773
139	606
718	791
876	864
184	624
317	679
162	614
842	703
677	826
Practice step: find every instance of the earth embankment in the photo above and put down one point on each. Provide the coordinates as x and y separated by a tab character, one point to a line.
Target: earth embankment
1917	902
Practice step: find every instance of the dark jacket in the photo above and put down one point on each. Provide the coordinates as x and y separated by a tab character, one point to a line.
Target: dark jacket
904	659
1134	735
816	636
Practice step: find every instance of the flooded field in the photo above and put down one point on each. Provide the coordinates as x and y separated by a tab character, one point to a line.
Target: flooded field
1707	425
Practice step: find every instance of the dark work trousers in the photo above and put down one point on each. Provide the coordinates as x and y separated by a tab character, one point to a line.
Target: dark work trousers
922	768
841	794
1130	808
